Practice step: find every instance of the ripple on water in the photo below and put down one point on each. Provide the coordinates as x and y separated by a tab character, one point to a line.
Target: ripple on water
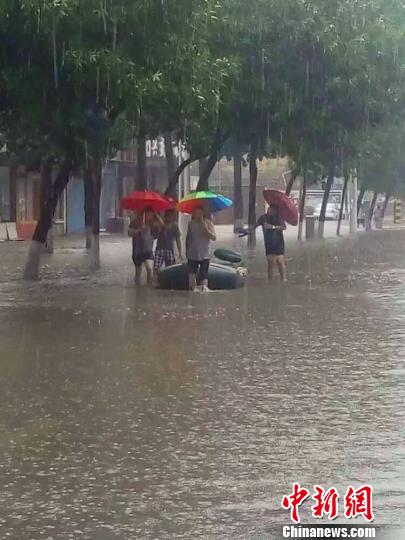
135	414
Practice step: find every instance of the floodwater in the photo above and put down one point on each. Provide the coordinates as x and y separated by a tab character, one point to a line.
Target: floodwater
144	414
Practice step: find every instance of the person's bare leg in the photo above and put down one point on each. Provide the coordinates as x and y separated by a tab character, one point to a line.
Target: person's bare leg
192	282
156	270
149	272
270	267
282	268
204	285
138	275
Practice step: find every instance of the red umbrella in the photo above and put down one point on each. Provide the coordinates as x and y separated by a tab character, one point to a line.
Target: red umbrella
172	200
286	206
139	201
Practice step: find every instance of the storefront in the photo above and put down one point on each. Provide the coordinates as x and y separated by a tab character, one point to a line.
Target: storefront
27	185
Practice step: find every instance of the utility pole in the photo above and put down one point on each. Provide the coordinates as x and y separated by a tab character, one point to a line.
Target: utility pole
353	202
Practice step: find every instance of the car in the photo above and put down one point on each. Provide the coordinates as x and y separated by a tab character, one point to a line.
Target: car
332	211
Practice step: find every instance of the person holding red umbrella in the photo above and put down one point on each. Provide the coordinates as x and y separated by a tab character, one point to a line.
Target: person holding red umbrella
167	235
145	227
281	210
143	230
273	226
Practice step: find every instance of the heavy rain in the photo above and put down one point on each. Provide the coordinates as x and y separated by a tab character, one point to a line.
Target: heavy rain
202	283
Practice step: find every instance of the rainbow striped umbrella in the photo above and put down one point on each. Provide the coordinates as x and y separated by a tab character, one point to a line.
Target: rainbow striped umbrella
211	202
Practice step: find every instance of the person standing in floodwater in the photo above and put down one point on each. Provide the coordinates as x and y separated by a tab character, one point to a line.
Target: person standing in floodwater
168	234
273	227
201	232
142	232
378	216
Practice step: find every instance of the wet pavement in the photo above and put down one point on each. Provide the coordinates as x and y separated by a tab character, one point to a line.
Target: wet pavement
131	414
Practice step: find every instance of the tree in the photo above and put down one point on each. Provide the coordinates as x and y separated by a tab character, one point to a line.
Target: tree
238	222
332	79
302	79
382	164
87	74
33	90
190	76
343	202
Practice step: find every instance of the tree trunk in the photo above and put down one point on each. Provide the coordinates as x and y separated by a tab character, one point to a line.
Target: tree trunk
96	174
369	217
172	187
13	195
203	182
360	198
291	181
46	190
252	192
212	160
342	204
388	196
141	179
202	163
39	238
170	157
328	187
88	205
237	192
302	207
49	244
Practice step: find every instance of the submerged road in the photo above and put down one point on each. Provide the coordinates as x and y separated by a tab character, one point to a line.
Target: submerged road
154	415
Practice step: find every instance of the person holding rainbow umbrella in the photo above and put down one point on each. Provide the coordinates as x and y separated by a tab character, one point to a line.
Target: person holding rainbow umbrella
201	232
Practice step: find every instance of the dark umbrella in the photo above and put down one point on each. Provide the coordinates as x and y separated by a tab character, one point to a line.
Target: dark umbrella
286	206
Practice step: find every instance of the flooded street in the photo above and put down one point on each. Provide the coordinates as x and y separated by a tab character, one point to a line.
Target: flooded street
144	414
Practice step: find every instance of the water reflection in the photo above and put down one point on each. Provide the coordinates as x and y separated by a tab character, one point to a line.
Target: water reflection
147	414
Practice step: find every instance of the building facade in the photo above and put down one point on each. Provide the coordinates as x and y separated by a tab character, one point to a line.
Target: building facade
20	195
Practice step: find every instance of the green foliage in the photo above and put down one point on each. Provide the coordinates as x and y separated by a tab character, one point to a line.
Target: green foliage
319	77
310	79
83	77
381	164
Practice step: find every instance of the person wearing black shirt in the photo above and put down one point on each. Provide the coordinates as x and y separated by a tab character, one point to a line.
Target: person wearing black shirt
273	227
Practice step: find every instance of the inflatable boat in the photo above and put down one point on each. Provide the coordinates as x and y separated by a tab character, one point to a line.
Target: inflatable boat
225	275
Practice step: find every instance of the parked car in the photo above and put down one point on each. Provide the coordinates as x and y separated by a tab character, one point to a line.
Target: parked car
332	211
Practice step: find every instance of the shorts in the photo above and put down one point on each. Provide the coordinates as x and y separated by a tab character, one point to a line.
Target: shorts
271	255
141	258
164	257
276	249
199	267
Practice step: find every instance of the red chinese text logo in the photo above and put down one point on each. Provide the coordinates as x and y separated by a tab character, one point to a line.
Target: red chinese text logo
326	503
294	501
357	502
